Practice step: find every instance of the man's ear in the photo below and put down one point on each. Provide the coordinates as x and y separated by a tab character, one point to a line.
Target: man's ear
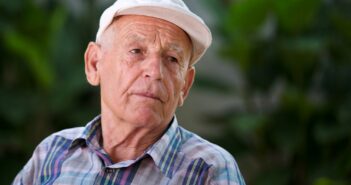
189	80
92	57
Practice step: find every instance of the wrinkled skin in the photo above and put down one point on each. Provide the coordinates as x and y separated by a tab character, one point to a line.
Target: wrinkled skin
142	66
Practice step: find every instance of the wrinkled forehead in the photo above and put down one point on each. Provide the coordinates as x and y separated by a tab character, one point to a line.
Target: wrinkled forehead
136	25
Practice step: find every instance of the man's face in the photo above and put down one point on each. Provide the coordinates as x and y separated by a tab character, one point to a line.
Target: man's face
143	69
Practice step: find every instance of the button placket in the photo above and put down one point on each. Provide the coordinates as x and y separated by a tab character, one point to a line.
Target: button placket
110	170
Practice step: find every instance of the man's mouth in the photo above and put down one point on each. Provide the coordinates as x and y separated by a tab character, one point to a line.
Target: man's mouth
148	95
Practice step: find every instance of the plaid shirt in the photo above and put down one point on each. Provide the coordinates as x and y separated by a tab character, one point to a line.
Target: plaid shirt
75	156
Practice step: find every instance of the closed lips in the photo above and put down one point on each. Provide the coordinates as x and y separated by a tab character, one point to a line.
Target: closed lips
148	95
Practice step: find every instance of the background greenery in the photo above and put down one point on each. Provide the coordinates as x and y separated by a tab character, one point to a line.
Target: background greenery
293	55
294	126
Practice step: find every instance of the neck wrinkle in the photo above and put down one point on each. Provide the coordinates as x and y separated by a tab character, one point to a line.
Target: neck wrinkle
121	141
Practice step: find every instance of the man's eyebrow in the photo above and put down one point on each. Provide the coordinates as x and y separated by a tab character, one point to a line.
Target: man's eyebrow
136	37
176	47
139	37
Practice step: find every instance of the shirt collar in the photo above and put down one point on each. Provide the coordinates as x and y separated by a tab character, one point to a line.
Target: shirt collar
164	152
90	135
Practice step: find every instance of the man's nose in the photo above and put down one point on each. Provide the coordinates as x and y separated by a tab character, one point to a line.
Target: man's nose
153	67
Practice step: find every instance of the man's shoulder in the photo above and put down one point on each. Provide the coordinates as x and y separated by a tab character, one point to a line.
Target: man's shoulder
70	133
221	165
67	134
195	147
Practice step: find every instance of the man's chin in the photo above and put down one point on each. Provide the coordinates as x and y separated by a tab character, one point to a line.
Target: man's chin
146	118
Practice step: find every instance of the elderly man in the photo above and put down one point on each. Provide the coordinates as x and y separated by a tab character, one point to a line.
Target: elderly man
143	61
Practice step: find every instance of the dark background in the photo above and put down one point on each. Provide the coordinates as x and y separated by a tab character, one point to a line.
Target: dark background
292	124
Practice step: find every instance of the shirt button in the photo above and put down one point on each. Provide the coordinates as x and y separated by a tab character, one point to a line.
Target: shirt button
110	170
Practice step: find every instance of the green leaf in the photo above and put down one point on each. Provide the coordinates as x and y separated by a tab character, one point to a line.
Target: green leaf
247	124
342	23
33	57
295	15
247	16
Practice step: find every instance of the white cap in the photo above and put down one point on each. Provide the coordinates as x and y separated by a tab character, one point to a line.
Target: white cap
174	11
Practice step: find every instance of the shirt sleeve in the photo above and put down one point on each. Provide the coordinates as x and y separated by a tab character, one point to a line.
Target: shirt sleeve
26	175
226	174
30	172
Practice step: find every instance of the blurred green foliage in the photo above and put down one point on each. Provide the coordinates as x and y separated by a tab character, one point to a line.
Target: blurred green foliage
294	55
42	75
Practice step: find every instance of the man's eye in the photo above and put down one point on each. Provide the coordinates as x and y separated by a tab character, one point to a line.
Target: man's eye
172	59
135	51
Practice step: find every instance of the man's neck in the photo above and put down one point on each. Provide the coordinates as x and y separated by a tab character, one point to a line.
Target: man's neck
124	141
